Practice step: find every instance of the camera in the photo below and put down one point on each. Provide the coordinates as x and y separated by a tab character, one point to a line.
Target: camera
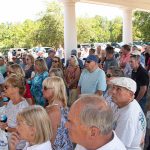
5	99
3	118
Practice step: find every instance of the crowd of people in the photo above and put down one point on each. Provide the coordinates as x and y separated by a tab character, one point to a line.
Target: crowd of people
98	102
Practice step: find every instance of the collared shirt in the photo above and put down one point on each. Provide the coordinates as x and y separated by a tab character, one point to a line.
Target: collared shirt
114	144
43	146
140	76
124	59
130	125
110	62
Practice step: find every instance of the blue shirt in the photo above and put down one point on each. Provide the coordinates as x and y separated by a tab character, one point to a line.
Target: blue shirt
91	82
36	88
49	62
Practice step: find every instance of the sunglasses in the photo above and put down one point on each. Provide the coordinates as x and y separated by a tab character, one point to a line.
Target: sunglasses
39	58
55	61
46	88
9	72
108	75
135	56
88	61
6	87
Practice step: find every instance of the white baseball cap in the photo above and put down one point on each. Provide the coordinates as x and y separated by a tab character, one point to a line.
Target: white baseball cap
125	82
136	53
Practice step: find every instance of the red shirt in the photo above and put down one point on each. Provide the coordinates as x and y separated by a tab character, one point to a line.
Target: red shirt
27	92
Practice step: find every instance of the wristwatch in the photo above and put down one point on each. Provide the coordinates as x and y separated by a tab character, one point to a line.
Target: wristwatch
6	129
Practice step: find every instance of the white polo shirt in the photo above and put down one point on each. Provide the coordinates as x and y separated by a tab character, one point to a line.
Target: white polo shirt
114	144
131	125
43	146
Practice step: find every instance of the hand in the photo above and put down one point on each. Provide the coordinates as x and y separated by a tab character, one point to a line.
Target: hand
13	141
100	66
3	125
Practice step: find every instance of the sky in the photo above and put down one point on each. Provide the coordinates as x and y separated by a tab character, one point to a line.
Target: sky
20	10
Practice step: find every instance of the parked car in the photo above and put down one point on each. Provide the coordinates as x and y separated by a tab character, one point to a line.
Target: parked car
41	51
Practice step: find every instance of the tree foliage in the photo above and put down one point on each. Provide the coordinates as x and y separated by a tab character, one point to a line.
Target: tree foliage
48	30
141	25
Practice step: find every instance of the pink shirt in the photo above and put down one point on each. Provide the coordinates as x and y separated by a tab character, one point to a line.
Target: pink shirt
124	59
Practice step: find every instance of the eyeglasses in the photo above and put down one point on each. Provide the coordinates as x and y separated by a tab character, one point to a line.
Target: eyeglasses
108	75
6	87
88	61
134	56
9	72
46	88
55	61
39	58
72	56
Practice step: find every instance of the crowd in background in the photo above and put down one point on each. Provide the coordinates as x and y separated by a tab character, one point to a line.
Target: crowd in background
102	76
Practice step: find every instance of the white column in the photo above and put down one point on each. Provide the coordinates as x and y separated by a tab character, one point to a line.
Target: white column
127	26
70	34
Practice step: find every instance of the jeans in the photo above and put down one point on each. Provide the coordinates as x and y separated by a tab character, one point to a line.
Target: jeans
142	103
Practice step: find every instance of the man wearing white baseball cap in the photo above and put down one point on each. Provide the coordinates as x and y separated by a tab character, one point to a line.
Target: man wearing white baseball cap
130	125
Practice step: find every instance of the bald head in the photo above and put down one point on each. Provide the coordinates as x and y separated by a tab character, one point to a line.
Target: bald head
92	100
94	111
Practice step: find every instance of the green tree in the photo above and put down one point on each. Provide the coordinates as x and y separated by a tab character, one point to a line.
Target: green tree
5	36
50	31
85	30
141	26
102	28
115	28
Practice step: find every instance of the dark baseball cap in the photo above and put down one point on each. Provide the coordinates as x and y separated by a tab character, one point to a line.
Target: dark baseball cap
51	51
92	58
74	52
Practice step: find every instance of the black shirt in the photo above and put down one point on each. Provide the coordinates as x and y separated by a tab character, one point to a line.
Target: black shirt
29	72
141	78
147	56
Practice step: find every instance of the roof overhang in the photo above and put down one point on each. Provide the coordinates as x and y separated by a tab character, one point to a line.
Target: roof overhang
132	4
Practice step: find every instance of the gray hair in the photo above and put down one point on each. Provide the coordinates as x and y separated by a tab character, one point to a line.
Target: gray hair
57	71
116	72
135	57
100	117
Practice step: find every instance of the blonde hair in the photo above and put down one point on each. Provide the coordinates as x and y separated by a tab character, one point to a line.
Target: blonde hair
76	60
40	62
16	69
58	87
16	81
37	117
